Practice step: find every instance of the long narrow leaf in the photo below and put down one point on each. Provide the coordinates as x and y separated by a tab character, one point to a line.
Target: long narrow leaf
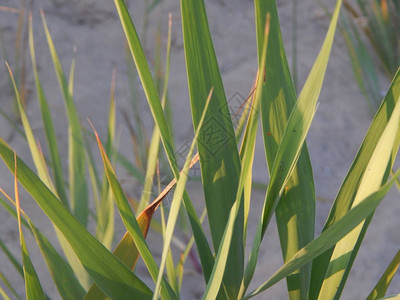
292	142
48	125
219	158
33	287
247	162
298	200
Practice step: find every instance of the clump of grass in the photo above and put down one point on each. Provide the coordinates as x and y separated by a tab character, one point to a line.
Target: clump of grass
226	155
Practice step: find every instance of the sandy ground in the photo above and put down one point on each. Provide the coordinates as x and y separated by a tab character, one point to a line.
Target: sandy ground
93	27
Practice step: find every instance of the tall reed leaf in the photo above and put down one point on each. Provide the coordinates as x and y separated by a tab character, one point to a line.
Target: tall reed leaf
107	271
219	158
298	200
292	142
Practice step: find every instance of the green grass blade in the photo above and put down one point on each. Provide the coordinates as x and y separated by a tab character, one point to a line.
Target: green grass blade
299	197
34	149
298	124
329	237
292	141
33	287
154	148
77	171
347	192
106	270
105	207
248	146
380	288
137	52
131	223
216	142
243	124
153	153
48	125
176	203
377	167
145	75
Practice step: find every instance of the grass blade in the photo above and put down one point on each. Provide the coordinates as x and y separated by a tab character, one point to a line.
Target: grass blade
48	125
298	124
292	141
247	162
153	153
77	173
105	206
130	222
106	270
216	143
380	288
299	196
176	203
33	287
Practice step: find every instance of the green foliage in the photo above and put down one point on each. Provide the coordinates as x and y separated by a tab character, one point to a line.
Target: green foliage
92	271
